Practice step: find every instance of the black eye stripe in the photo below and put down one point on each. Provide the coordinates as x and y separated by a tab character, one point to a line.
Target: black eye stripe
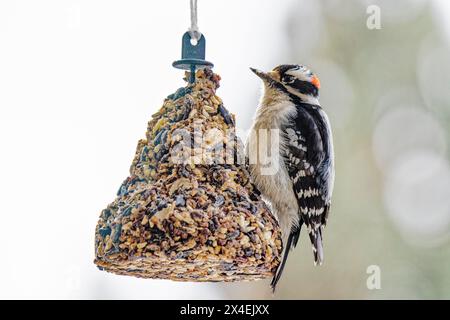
288	78
304	87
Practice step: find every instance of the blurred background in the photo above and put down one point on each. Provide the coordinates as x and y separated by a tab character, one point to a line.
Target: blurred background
79	80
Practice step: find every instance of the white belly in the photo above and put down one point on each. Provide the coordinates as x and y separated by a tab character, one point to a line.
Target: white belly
275	187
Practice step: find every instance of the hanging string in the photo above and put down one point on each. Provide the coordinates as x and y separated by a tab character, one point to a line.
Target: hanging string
193	30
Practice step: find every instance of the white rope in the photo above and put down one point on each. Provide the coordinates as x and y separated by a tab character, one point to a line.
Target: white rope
193	30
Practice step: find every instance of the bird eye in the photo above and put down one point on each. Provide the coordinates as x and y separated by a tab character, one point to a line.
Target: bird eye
288	79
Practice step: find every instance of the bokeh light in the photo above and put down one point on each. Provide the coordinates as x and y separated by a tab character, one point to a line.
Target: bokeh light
402	129
417	196
433	75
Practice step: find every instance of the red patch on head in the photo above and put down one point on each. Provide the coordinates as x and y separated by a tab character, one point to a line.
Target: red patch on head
316	82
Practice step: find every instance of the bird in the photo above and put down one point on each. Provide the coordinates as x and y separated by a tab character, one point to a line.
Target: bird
300	191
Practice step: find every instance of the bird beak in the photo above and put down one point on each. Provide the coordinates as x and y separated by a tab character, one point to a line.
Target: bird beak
269	77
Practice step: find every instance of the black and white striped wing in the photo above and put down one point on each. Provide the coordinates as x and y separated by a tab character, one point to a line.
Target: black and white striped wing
308	158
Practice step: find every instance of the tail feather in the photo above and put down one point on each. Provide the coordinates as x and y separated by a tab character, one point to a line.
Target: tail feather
296	235
291	243
280	269
316	241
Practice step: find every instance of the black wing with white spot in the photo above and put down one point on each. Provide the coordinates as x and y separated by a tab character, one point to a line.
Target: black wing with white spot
308	158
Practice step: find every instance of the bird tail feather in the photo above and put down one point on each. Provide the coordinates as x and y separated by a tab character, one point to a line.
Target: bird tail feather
280	269
291	243
316	241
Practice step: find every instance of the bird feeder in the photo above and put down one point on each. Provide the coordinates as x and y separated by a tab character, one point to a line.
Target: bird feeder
188	210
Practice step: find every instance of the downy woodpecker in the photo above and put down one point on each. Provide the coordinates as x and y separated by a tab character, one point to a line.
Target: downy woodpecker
300	192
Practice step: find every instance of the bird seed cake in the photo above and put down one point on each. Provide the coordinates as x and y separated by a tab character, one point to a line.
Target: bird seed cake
188	210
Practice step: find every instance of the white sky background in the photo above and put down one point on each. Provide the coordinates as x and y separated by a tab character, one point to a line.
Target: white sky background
78	82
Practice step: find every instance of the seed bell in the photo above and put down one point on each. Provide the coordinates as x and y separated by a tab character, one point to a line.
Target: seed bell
188	210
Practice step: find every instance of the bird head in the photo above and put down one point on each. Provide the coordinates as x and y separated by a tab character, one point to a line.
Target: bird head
291	80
